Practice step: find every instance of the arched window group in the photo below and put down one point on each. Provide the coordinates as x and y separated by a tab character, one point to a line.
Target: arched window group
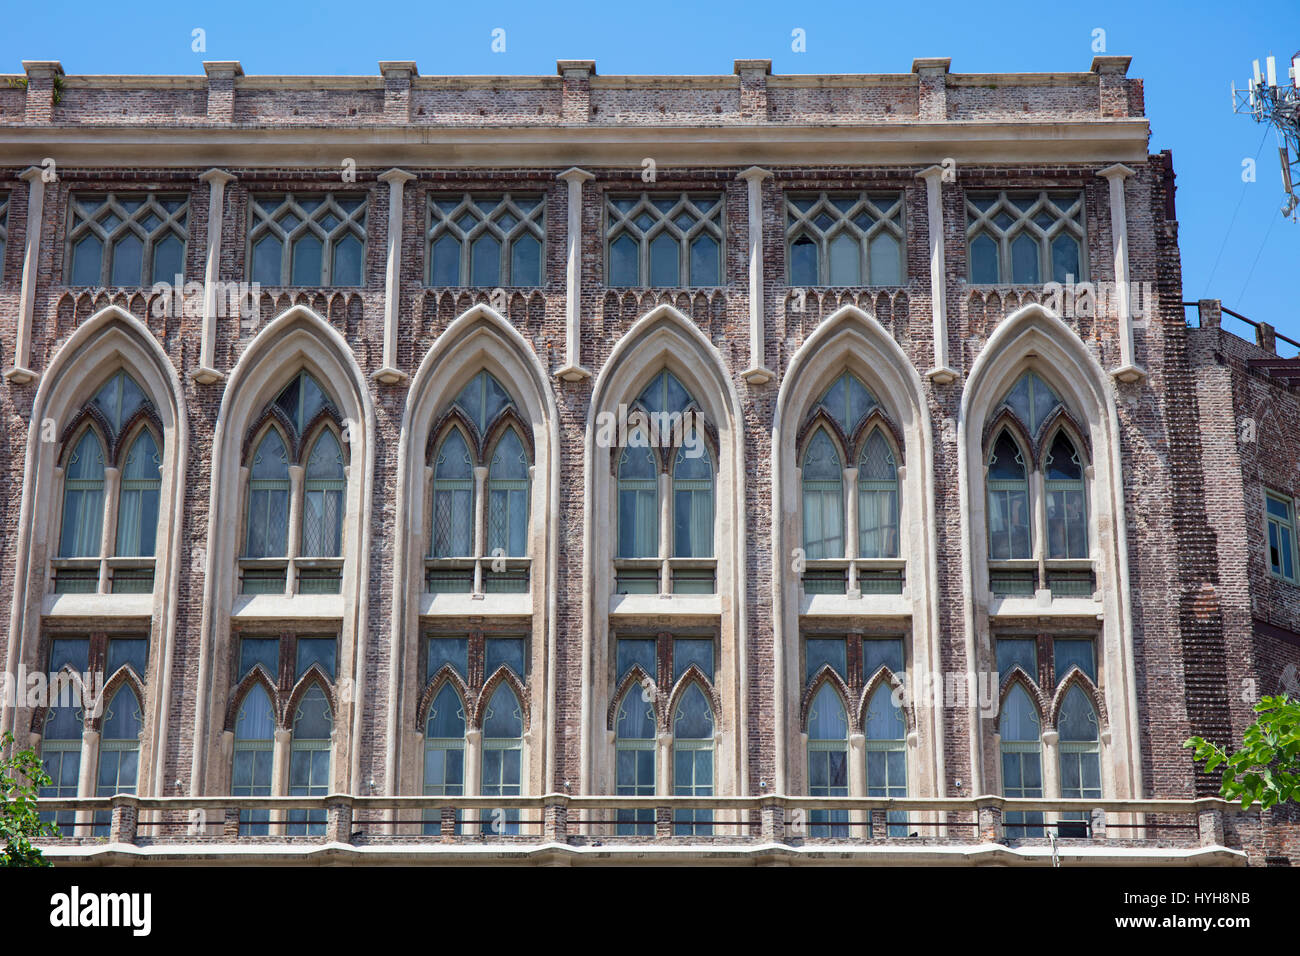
475	682
1037	504
112	483
111	713
850	493
305	664
1066	666
481	460
839	668
665	685
297	480
665	495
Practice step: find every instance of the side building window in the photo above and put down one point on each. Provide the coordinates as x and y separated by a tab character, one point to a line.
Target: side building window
1026	238
126	239
486	240
656	240
844	239
112	481
1279	513
307	239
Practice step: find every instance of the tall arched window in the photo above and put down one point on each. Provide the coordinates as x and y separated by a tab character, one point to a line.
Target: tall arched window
61	735
1080	748
503	731
850	509
665	495
119	751
444	752
137	510
297	463
693	760
254	757
309	760
111	487
877	499
481	493
823	499
508	497
83	499
1009	533
322	510
828	761
1022	760
886	747
1037	495
634	743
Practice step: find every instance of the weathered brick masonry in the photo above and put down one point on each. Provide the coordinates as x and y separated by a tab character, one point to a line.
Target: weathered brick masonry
1184	602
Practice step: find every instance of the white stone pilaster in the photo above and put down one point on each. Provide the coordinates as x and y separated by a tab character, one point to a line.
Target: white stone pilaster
941	374
573	370
217	180
20	374
390	374
1129	370
757	373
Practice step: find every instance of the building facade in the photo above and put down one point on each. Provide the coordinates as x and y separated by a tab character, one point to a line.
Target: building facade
746	467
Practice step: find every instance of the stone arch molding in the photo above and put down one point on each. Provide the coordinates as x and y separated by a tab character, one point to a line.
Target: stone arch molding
480	338
110	339
852	339
664	337
297	339
1033	337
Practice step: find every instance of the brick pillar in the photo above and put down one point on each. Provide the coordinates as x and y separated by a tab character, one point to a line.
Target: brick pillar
773	817
990	825
448	821
1266	337
1211	313
576	99
663	822
932	77
753	89
221	89
397	89
555	819
230	830
1113	84
122	826
1210	822
42	76
879	824
338	826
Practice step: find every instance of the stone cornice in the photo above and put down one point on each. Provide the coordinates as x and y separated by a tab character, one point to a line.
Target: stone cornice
903	143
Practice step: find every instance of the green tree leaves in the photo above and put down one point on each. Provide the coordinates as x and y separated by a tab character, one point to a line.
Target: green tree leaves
1266	770
21	777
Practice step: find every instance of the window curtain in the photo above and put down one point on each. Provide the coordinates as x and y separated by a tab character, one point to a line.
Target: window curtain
83	499
137	510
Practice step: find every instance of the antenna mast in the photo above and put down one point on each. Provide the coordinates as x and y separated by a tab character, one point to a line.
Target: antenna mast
1278	105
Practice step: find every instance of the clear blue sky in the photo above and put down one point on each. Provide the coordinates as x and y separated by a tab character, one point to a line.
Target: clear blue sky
1188	53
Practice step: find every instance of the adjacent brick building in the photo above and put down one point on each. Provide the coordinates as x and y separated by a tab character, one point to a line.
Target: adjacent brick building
322	444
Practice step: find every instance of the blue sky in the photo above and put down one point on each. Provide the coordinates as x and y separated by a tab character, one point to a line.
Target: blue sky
1235	244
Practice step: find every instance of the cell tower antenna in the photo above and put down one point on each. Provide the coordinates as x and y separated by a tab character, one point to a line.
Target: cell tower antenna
1266	100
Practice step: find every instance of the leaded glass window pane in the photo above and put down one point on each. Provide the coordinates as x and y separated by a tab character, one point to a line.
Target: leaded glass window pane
639	651
508	497
504	652
303	239
877	499
453	498
486	240
693	504
634	737
820	651
1067	525
638	502
1019	652
664	241
260	650
137	509
828	762
823	499
322	511
1022	774
127	650
83	499
322	651
847	401
689	651
253	756
844	239
268	499
126	239
1018	237
1008	491
878	652
503	727
1070	652
448	650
